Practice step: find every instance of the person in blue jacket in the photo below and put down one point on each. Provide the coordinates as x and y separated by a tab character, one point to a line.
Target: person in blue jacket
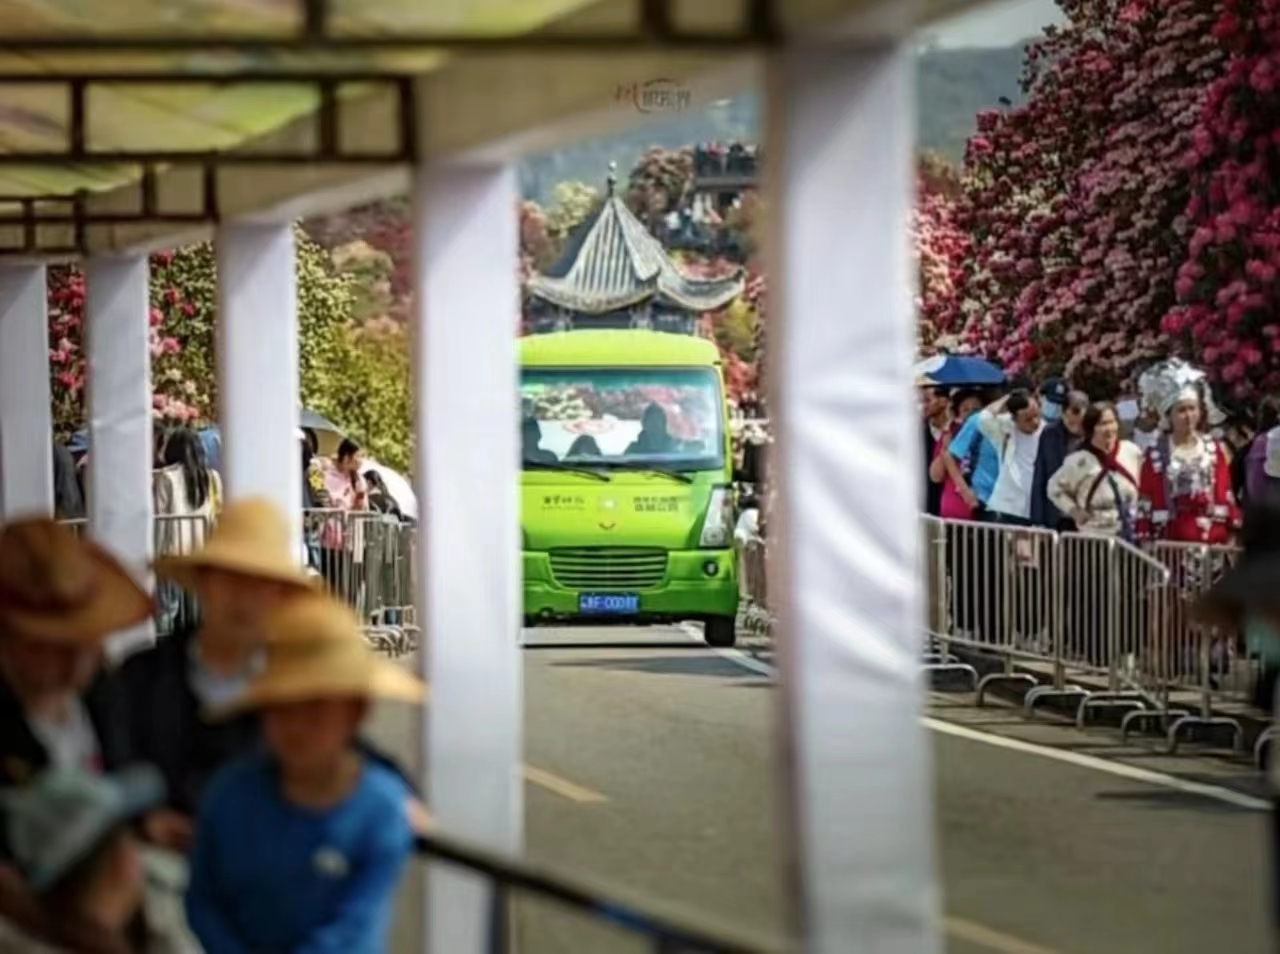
299	847
1063	435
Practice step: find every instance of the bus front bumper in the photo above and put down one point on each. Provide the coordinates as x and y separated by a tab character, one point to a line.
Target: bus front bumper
687	591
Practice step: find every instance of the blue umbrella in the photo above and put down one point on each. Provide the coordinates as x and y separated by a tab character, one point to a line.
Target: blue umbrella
958	370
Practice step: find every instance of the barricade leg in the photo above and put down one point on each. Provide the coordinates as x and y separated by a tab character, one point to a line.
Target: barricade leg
1002	599
938	659
1205	719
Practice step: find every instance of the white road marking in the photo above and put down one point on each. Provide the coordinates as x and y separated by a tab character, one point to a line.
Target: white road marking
1120	769
991	939
1078	759
562	786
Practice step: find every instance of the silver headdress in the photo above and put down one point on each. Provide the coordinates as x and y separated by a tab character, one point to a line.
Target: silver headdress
1170	382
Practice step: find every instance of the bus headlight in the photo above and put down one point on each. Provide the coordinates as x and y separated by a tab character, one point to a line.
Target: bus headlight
717	529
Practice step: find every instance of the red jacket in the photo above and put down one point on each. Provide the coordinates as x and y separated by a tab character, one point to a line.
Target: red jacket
1194	505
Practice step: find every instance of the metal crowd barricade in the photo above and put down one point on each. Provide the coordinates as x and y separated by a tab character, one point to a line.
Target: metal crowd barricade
330	545
368	560
175	535
1189	657
1109	619
938	657
1107	589
666	932
992	589
754	615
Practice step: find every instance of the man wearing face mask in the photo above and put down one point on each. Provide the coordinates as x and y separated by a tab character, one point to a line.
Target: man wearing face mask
1248	598
1063	411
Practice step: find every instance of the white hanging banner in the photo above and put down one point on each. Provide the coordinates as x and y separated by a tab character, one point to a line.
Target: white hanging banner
468	494
839	190
258	364
25	412
120	418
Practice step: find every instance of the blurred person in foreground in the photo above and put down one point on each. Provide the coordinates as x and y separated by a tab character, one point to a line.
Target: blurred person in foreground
247	570
74	846
1247	597
60	597
299	847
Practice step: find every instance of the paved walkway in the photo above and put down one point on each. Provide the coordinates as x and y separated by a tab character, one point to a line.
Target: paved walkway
653	769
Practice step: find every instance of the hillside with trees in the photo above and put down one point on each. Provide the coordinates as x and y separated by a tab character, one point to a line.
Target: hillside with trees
955	85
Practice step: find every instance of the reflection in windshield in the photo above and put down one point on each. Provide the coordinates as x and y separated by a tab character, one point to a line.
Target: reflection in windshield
666	418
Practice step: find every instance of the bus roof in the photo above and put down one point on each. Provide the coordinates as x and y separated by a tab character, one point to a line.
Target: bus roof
616	348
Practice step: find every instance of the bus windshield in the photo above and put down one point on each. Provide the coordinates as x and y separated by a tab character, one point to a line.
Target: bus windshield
665	419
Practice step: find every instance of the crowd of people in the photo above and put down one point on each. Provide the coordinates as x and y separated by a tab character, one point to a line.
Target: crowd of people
1148	468
211	792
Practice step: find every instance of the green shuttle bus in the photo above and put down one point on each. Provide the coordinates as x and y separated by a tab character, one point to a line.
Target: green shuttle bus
627	493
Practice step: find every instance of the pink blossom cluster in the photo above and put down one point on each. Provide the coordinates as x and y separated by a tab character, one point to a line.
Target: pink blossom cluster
1227	291
941	247
1076	202
174	397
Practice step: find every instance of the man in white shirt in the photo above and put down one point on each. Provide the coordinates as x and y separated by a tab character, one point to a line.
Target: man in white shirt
1013	424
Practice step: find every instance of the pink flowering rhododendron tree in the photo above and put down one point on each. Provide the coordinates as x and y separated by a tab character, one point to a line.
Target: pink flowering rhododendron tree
1076	200
941	249
180	311
1228	311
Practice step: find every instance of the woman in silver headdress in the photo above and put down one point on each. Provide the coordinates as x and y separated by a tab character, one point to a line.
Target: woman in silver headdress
1185	485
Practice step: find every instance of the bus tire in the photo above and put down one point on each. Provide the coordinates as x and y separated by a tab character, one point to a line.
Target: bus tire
720	631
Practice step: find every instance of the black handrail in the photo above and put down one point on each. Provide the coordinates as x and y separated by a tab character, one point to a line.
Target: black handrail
670	931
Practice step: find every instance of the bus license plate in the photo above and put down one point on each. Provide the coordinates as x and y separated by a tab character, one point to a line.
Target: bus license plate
609	604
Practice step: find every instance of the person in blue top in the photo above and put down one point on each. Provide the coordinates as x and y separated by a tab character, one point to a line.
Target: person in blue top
298	848
979	461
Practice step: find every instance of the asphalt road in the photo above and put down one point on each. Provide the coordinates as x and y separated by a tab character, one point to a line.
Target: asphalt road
652	769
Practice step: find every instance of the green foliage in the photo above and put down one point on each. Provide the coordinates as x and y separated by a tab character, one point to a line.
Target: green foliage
184	289
371	270
737	329
357	377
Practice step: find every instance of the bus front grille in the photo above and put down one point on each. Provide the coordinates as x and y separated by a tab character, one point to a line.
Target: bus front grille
609	569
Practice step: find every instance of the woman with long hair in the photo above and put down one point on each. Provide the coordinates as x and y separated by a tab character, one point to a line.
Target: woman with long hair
185	452
186	494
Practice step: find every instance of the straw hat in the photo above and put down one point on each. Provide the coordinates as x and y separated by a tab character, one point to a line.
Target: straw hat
315	650
253	538
57	587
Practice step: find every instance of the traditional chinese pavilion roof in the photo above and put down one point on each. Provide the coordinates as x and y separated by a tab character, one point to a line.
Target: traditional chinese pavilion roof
613	262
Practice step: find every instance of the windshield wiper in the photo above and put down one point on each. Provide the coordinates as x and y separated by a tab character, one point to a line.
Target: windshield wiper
567	468
650	469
